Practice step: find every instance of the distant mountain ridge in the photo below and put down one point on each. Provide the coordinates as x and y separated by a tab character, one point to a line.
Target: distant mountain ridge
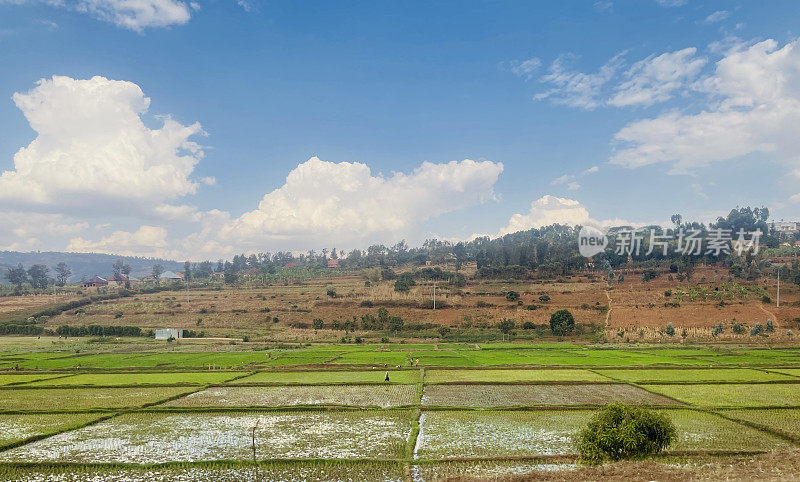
83	265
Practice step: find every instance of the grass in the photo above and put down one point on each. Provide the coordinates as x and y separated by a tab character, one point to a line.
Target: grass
481	406
16	428
149	438
76	399
124	379
330	377
657	375
446	434
13	379
383	396
700	431
733	395
213	472
537	395
512	376
781	420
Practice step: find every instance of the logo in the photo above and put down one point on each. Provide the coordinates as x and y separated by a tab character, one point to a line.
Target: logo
591	241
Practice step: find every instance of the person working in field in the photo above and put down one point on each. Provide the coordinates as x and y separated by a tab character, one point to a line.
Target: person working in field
387	377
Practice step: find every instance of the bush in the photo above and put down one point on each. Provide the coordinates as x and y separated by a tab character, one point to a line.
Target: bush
738	328
366	304
670	330
718	329
757	329
404	282
506	326
544	298
562	323
769	327
620	432
512	296
331	292
766	299
530	307
528	325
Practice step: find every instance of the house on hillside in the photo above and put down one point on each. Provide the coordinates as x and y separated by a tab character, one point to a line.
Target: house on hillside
95	282
333	263
253	272
171	276
290	265
785	226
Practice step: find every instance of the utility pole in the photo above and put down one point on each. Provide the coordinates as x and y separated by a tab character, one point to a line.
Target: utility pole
434	295
778	301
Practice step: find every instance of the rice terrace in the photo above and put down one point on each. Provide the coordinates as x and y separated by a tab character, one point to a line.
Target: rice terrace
355	241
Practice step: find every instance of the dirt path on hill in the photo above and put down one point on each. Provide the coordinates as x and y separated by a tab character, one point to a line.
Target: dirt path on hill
771	315
608	313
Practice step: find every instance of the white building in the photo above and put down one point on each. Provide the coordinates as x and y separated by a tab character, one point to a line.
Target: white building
785	226
167	333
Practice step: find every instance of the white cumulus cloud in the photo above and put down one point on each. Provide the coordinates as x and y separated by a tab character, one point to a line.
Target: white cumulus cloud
93	149
145	241
548	210
753	107
326	201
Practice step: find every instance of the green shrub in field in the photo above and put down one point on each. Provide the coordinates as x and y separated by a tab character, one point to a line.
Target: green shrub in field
670	330
620	432
562	322
718	329
512	296
757	329
738	328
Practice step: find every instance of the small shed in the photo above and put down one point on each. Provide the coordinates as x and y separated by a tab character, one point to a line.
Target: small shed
167	333
94	282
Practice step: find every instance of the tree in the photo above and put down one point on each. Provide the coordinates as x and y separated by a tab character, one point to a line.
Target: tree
620	432
62	273
118	266
670	330
383	315
318	324
506	326
676	220
404	282
158	270
562	323
38	276
187	271
126	270
395	324
17	276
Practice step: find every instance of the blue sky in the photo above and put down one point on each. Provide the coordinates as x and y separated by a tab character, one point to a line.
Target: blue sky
543	88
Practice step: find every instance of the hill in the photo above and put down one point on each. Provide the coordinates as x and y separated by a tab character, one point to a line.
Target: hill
83	264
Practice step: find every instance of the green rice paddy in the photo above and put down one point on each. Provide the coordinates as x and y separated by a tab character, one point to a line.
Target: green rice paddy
326	412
